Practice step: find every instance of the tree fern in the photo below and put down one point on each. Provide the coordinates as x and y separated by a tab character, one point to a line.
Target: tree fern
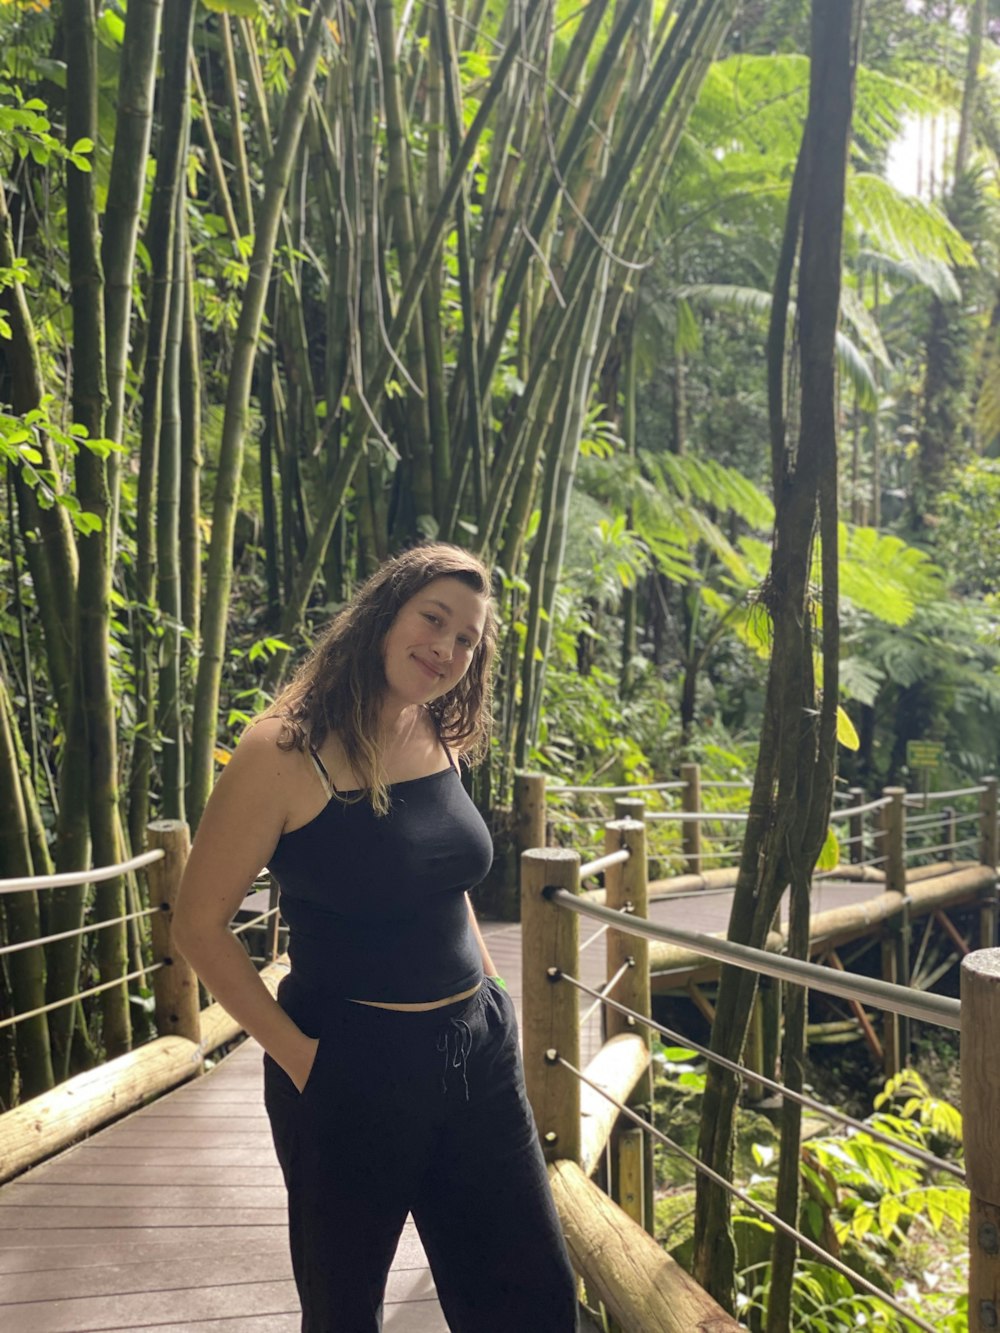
757	303
903	225
913	270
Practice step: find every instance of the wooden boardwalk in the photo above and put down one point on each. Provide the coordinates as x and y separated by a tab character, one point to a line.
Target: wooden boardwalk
174	1218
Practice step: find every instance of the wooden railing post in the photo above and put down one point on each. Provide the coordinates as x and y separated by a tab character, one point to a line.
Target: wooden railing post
627	887
980	1115
691	829
273	922
529	811
550	1011
894	840
989	855
989	828
175	985
529	823
630	807
856	825
896	937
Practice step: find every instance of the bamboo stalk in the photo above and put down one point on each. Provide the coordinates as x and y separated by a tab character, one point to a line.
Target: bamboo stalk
94	702
161	244
219	572
26	967
133	125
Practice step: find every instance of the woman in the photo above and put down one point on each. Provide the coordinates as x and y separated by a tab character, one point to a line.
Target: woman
392	1076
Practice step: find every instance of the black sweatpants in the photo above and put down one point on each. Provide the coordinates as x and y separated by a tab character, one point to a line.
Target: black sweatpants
422	1112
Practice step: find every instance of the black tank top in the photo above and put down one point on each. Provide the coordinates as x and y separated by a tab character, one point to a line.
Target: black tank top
375	905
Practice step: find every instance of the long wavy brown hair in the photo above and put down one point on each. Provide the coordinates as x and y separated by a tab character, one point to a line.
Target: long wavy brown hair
340	685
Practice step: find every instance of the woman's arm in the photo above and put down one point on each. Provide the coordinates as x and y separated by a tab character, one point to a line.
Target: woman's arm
239	829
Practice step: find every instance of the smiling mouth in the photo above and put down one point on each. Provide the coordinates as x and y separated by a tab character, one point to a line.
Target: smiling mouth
432	673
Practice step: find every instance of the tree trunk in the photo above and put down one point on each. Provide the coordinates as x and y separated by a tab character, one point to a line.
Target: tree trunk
970	89
793	784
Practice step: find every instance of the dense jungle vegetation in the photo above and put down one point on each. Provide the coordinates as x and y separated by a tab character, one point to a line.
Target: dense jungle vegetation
284	289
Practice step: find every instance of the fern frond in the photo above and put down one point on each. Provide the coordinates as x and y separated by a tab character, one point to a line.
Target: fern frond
914	270
753	301
903	225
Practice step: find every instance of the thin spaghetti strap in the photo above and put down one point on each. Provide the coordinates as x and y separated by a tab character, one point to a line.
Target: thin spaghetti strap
436	723
324	776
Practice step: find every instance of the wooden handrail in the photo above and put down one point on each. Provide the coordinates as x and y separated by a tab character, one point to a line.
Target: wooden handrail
641	1285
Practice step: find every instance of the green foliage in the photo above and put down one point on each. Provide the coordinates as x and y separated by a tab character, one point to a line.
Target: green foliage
878	1205
20	448
969	532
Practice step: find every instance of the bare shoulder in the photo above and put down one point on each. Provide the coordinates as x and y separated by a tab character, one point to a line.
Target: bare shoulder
261	767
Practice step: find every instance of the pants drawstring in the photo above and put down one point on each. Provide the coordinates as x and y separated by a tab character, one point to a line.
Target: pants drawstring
456	1057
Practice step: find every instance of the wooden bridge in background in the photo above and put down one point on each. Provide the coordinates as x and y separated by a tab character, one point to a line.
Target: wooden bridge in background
173	1217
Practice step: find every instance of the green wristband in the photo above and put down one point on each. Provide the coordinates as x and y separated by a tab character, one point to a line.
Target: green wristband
500	982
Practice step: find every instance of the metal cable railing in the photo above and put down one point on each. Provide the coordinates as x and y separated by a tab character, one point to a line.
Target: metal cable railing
879	803
943	818
565	789
80	930
698	816
856	1279
603	863
700	856
884	837
606	989
70	878
939	1009
254	921
80	995
928	798
592	939
928	1159
910	852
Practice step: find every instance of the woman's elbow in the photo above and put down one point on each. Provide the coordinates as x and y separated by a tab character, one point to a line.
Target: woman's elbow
191	935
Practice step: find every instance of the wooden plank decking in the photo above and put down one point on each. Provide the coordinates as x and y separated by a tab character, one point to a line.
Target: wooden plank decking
174	1218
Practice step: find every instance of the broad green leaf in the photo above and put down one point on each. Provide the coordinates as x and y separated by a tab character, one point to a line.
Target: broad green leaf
245	9
846	733
829	856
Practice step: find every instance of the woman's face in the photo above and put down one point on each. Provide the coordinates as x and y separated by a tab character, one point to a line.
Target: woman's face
430	644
